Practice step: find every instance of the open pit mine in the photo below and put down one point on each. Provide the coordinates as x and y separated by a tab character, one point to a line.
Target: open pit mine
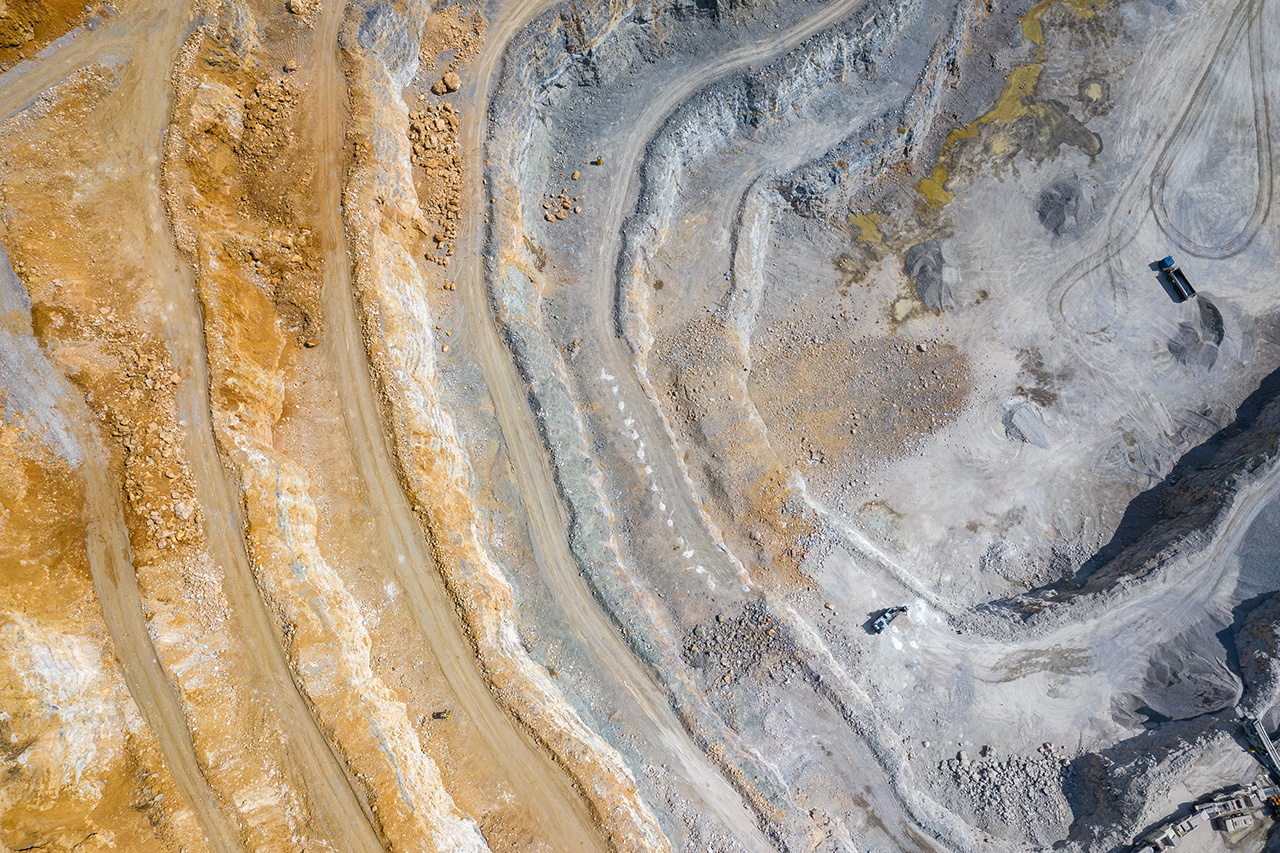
639	426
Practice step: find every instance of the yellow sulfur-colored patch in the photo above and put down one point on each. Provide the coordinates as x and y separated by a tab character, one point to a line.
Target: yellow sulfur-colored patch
934	188
1034	32
868	225
1009	107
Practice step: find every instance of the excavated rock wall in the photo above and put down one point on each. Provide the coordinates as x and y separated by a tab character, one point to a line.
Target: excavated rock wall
79	760
704	126
1182	519
1111	792
535	60
749	105
698	130
1258	650
1179	519
93	306
380	207
219	146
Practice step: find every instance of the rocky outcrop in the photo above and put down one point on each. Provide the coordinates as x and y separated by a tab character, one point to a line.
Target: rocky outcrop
1111	793
698	131
1174	522
713	119
80	764
1258	650
515	285
258	276
380	206
91	304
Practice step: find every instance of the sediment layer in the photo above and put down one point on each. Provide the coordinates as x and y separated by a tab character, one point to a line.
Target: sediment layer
639	426
381	210
233	120
81	762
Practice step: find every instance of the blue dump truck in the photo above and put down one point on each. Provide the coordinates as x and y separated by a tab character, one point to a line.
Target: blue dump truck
1177	278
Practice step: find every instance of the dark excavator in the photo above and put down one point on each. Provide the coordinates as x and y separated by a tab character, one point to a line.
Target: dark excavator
887	617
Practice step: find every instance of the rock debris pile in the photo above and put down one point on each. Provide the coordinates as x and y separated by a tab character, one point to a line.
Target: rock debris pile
730	648
267	113
433	135
558	207
1016	792
157	480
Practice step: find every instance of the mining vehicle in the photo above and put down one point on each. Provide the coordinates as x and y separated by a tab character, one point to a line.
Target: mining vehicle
887	617
1177	278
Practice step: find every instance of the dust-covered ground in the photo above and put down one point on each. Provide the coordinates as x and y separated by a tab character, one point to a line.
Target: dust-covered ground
499	426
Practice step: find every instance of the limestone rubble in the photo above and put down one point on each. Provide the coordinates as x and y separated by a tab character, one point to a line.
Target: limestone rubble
638	425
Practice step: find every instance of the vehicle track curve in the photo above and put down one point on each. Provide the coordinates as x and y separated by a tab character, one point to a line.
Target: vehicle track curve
535	779
1122	227
1247	17
541	497
640	132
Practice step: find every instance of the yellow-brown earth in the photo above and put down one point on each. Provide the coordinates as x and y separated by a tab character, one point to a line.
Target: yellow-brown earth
540	426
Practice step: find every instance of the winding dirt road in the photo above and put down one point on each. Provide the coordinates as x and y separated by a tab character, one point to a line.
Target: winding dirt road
548	524
111	564
534	778
329	788
148	35
155	33
547	517
108	549
611	350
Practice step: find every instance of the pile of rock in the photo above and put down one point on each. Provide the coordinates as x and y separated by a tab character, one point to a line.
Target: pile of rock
729	648
433	135
158	489
559	207
307	10
1020	793
266	119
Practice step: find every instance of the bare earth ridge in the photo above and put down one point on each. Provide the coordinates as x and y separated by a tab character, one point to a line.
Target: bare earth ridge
681	425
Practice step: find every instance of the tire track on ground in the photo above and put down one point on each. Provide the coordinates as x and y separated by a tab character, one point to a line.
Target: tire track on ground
534	778
329	789
1246	16
111	564
1119	235
107	542
548	521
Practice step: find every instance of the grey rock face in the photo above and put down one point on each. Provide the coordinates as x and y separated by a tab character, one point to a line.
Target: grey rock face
923	264
1068	206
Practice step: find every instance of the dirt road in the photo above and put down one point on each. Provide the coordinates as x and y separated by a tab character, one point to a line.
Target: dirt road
895	804
611	350
534	778
108	548
330	793
606	350
117	588
149	35
548	522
